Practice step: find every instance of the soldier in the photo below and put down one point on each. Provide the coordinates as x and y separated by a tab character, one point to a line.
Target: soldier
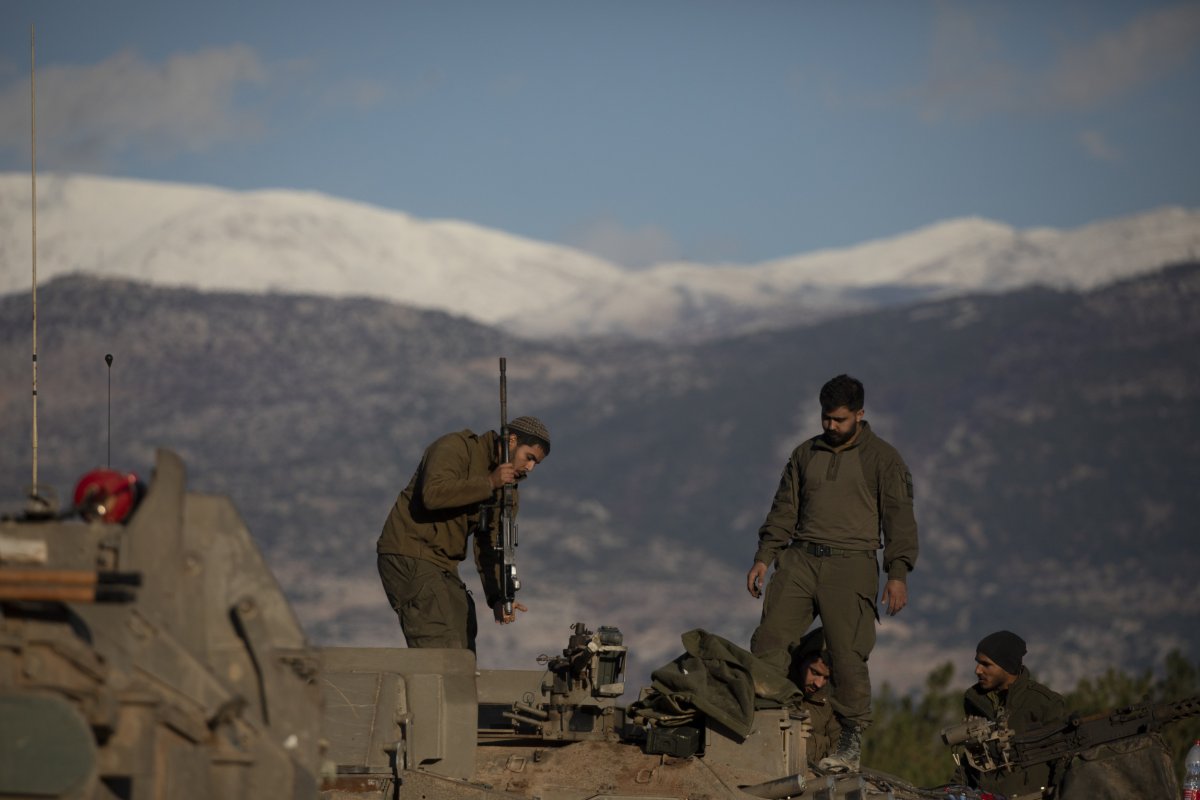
1005	690
810	662
425	535
839	492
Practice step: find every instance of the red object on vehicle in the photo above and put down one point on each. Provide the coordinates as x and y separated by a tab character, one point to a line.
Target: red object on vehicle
105	494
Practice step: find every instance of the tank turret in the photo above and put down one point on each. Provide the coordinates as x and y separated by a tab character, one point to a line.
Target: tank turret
150	658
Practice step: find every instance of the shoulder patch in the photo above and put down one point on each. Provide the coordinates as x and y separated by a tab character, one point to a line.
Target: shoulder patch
908	484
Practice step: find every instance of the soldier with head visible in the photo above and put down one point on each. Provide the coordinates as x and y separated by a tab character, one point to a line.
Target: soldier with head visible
811	671
1005	691
424	538
841	493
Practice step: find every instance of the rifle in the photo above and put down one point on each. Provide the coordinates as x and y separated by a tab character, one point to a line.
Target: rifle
989	745
507	545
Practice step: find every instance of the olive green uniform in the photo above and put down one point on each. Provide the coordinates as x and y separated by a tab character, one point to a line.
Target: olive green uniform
1027	704
425	538
822	532
825	727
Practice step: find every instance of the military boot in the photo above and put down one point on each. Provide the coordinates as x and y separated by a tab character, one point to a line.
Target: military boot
849	750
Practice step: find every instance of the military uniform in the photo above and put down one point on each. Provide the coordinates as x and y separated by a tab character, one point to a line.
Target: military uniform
425	538
825	727
1027	705
822	533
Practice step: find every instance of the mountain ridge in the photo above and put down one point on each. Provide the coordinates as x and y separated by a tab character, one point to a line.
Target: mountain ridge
307	242
1031	421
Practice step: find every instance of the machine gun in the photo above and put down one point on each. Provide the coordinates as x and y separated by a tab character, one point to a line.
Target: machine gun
580	689
988	745
507	544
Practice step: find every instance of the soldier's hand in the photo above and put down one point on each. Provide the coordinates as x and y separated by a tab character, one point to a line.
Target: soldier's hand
501	617
755	578
895	597
505	473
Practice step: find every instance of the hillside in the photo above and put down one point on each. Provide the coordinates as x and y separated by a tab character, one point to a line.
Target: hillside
1052	434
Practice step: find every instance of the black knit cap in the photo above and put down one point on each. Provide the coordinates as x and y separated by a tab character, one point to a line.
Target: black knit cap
1005	648
531	426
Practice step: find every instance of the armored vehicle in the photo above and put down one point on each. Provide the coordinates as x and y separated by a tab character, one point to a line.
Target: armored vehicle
146	652
153	657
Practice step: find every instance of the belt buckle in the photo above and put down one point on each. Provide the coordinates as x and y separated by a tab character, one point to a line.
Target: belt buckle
820	550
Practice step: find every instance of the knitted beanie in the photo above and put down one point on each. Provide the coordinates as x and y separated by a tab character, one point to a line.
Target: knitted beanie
530	426
1005	648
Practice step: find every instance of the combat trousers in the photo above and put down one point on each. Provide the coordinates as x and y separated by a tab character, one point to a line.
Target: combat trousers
841	590
434	606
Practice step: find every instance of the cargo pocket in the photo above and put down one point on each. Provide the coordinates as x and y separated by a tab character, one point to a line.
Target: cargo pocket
868	615
864	632
426	614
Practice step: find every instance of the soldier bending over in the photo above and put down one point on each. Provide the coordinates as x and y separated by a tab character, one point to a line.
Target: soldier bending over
425	535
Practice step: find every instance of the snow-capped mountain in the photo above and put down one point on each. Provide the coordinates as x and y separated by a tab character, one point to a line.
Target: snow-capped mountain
265	241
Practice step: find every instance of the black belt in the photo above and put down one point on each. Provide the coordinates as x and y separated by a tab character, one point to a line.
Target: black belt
825	551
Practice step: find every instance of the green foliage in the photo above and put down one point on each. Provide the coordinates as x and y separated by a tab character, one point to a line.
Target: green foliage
1182	680
905	739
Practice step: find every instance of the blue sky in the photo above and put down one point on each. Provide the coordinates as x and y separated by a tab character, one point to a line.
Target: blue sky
643	131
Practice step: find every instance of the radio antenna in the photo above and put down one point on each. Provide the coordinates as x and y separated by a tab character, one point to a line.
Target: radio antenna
108	360
33	218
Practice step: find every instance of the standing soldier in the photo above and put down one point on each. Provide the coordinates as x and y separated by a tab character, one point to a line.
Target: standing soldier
425	536
839	493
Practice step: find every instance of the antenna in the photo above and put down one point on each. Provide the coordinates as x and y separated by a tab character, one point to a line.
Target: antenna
33	187
108	360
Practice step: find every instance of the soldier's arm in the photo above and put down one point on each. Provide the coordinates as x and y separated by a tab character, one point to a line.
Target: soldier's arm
1052	708
777	528
897	520
446	481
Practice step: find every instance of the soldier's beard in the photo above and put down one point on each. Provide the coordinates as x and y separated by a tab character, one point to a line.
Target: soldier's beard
838	439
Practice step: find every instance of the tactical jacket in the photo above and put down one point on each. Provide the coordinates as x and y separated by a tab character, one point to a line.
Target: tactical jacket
1028	704
845	499
825	727
443	505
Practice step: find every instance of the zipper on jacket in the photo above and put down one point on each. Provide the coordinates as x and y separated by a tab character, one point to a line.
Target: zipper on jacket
832	471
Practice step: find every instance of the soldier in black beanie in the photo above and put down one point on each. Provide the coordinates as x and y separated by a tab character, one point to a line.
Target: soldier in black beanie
1005	649
1005	690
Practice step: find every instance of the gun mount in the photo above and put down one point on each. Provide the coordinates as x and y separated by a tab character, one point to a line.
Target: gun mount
983	743
578	699
1113	754
991	745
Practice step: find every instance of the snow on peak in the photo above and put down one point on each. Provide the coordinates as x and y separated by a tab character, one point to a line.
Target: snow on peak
306	242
